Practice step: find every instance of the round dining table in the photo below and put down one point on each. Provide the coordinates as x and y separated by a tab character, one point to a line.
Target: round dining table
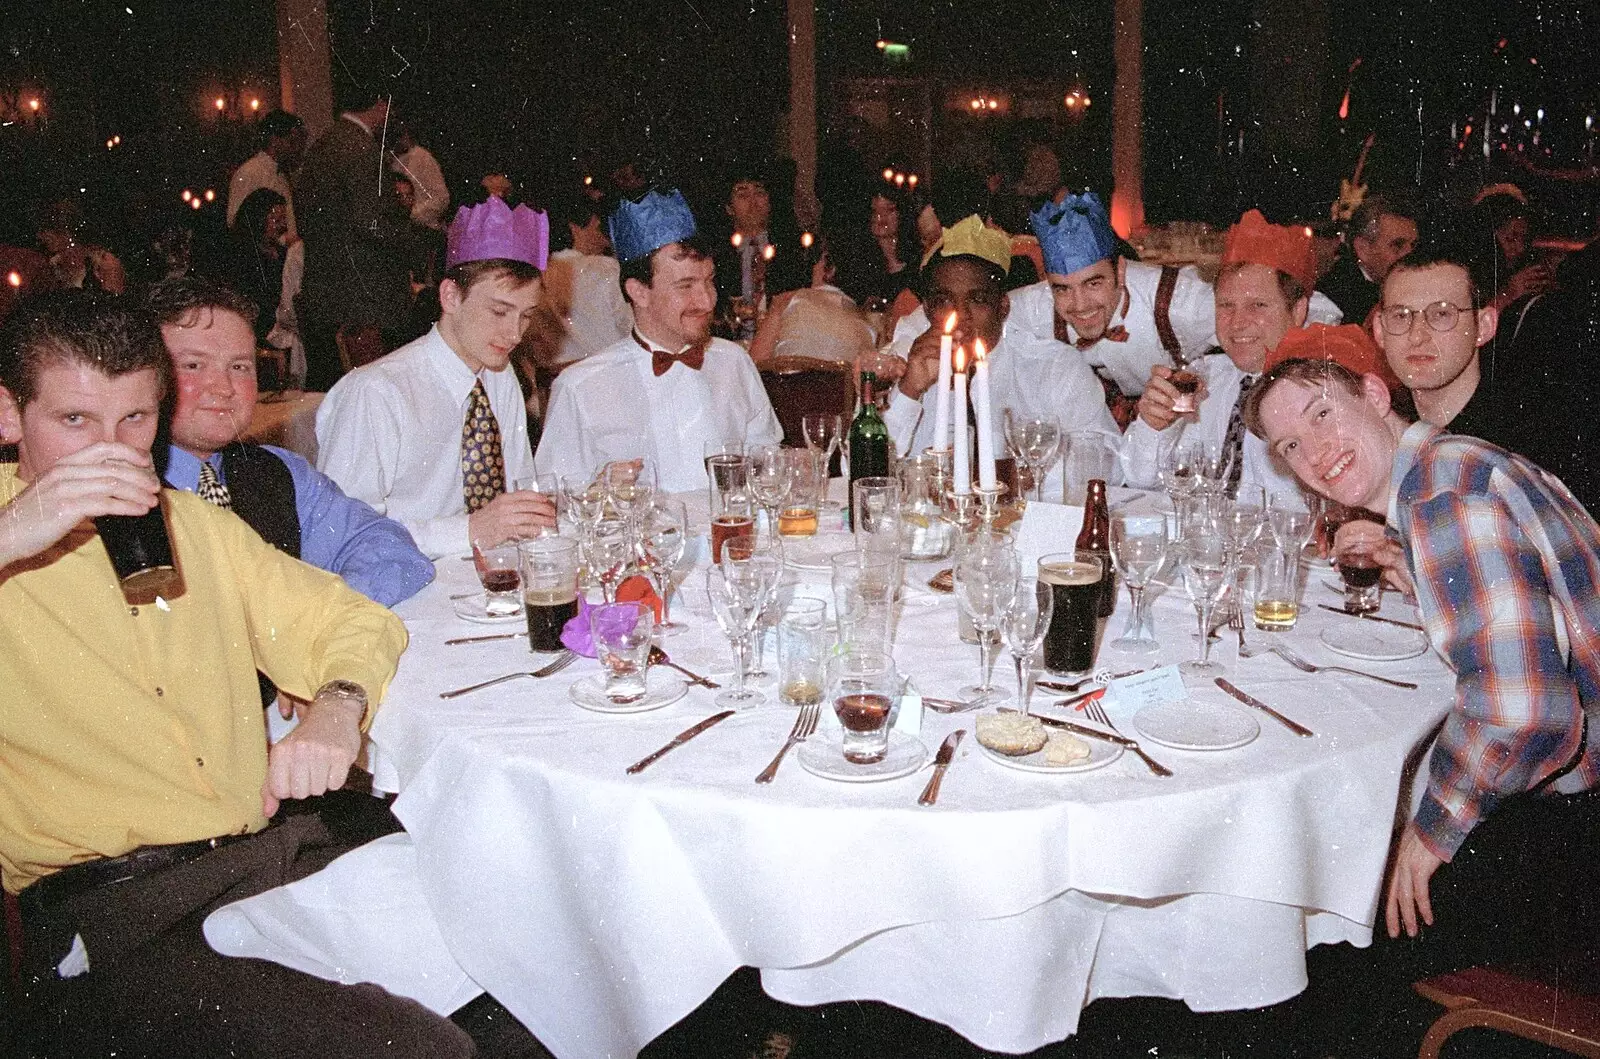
602	907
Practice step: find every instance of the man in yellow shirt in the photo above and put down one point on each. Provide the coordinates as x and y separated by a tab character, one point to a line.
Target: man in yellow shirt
137	783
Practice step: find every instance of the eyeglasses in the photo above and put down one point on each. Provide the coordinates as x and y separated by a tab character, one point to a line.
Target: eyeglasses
1399	319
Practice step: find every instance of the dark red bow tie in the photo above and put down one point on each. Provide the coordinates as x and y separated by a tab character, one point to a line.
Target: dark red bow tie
1115	333
692	357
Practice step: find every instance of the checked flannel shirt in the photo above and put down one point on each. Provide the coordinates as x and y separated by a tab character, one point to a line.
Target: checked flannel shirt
1506	565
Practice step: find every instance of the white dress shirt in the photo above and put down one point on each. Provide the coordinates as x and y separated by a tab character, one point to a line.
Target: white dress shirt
258	171
585	292
612	406
433	194
389	433
1033	377
1144	447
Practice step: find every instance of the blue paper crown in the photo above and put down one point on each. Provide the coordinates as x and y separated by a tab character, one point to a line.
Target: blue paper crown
643	227
1074	234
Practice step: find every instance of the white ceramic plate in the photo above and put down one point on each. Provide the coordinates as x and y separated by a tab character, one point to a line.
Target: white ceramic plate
1374	641
1190	725
815	553
1101	754
662	687
823	755
472	609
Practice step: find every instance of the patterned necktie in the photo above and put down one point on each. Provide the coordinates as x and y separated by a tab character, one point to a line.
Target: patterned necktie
483	468
211	488
1233	441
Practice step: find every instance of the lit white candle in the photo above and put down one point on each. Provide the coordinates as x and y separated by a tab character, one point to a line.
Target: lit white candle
980	404
963	459
941	407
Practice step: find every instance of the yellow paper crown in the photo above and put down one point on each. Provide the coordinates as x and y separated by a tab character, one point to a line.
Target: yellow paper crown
972	236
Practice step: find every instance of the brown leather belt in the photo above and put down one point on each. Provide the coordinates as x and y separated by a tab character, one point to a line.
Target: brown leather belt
90	875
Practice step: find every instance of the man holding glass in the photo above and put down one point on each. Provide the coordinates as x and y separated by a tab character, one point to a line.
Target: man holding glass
1495	863
138	784
433	434
1033	377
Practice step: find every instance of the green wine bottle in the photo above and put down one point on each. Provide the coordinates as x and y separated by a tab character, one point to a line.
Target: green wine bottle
869	441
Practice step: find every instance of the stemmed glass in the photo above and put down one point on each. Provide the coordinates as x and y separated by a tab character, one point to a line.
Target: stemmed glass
611	553
584	499
630	485
1026	622
986	583
766	550
823	434
736	599
663	540
1207	567
1180	478
1035	441
771	475
1139	547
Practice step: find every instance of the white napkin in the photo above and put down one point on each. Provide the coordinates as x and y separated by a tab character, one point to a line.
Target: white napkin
1046	528
363	918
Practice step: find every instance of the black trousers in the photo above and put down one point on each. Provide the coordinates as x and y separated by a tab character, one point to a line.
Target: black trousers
155	988
1520	894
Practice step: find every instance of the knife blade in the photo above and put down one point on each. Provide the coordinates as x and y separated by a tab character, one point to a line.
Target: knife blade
1374	617
1083	729
941	762
1054	685
1250	700
483	639
678	740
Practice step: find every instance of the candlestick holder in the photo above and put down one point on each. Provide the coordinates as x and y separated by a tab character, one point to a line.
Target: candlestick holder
961	509
988	504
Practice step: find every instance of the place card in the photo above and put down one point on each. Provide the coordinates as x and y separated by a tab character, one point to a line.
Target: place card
1153	687
1046	528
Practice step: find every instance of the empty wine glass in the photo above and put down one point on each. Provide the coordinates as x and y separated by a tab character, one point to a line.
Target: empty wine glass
766	550
584	501
986	583
737	595
663	540
771	475
610	553
1207	570
824	434
1035	440
1292	515
630	485
1139	547
1026	622
1180	478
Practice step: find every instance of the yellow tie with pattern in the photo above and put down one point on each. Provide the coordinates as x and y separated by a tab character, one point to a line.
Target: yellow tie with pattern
483	467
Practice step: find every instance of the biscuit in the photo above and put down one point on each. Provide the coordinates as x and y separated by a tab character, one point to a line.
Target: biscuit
1012	734
1064	748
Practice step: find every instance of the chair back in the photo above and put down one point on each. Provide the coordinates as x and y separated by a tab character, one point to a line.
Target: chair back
800	386
358	345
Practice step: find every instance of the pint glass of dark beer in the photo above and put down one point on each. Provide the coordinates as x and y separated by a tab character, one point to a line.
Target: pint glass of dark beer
141	552
549	588
1075	584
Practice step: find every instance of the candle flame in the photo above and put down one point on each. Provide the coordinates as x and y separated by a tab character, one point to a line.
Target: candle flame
960	361
950	322
738	240
768	252
14	278
978	352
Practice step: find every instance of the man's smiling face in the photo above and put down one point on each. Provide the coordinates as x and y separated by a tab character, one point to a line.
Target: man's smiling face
1338	443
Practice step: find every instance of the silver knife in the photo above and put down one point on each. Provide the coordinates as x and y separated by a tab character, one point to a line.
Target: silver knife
678	740
1374	617
1250	700
484	639
941	761
1111	737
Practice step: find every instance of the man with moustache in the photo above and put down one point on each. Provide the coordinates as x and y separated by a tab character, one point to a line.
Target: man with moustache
1495	863
667	389
433	434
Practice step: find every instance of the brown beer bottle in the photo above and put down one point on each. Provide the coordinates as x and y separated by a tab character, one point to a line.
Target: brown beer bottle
1095	536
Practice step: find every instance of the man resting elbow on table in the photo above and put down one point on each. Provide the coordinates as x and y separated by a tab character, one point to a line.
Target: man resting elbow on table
1495	863
138	783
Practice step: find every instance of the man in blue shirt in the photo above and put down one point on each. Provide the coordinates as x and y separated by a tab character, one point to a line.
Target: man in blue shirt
209	331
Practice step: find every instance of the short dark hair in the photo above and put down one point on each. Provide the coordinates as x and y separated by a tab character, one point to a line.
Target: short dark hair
1372	209
1431	252
1288	286
251	217
115	336
643	269
278	123
468	274
992	273
1321	373
179	301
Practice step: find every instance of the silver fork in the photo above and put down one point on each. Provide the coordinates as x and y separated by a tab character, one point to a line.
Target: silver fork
1308	667
562	661
804	725
1236	623
1097	714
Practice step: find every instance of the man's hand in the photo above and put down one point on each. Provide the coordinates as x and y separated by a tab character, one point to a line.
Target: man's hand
1365	536
106	478
922	362
511	516
1414	865
316	756
1155	404
886	366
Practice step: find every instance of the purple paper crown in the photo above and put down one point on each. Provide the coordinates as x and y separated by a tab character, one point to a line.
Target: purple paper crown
1073	235
643	227
494	230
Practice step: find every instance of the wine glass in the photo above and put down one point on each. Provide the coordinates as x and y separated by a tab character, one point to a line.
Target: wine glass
630	485
823	434
611	553
1207	569
766	551
736	600
986	583
584	500
1138	547
1026	621
770	477
1036	441
663	540
1292	516
1179	477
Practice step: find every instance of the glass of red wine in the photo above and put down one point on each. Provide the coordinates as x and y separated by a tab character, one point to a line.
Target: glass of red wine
1361	574
864	689
499	571
1185	378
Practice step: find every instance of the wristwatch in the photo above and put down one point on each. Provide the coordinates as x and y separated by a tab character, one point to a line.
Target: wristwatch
347	690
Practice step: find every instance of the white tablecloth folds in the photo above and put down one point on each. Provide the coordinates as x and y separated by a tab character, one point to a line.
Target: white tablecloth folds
600	908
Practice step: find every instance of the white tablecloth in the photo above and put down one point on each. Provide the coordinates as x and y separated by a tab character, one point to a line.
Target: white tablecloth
600	908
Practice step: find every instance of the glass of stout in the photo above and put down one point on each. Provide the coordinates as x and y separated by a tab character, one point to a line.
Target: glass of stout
549	589
1361	574
1075	585
864	689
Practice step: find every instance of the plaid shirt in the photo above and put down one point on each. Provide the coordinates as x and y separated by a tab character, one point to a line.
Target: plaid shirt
1506	565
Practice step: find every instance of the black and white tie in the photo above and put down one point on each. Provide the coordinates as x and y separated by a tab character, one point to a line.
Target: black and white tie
211	488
